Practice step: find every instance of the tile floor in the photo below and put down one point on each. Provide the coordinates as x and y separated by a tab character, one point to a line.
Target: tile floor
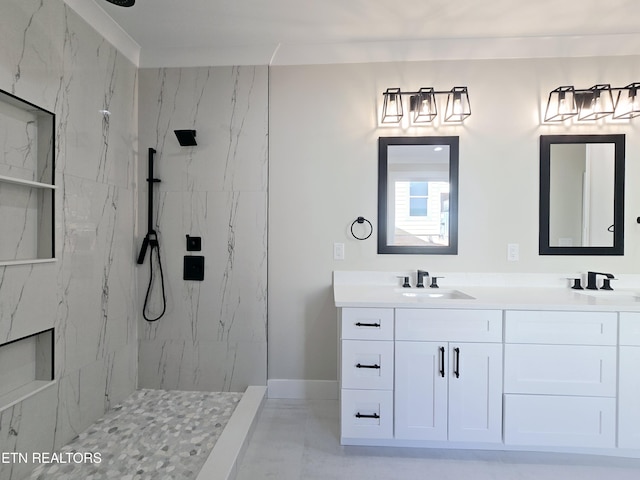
296	440
153	434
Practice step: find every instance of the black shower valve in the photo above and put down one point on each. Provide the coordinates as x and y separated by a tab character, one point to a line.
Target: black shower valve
194	244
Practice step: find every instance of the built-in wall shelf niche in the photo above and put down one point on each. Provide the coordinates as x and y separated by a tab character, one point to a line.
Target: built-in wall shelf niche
26	367
27	182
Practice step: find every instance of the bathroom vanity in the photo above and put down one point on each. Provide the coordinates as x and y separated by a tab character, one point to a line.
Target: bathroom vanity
491	367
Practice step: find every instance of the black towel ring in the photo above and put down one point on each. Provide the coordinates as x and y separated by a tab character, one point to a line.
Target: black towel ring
361	220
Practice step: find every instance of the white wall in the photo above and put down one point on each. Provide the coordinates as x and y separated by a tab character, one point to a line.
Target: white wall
323	174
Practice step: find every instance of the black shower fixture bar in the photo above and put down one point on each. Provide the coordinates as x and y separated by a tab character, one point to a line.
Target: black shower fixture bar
122	3
186	138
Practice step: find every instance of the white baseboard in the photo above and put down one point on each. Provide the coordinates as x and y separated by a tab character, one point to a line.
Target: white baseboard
303	389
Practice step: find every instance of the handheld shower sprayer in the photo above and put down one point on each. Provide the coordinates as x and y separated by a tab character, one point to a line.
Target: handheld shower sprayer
151	241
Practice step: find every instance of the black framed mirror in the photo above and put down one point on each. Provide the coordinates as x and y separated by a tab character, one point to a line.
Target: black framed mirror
582	194
418	195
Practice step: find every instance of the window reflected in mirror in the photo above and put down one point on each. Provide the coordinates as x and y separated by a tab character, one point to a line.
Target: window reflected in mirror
417	195
581	194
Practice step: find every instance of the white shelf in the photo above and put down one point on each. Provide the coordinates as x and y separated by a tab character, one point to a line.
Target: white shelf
22	393
28	261
26	183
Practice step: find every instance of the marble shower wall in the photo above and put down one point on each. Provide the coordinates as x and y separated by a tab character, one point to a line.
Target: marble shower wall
213	335
52	58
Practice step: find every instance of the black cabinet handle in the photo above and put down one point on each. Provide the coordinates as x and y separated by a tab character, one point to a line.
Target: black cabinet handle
359	365
360	415
442	362
456	362
360	324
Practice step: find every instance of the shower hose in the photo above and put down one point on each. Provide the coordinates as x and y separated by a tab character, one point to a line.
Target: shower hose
154	245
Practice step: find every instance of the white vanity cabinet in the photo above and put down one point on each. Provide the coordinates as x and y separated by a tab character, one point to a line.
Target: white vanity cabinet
560	378
366	372
629	381
448	375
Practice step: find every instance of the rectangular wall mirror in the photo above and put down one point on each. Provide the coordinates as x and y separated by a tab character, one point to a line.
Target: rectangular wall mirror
582	194
418	195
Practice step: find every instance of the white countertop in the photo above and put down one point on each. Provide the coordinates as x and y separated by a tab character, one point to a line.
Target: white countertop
383	289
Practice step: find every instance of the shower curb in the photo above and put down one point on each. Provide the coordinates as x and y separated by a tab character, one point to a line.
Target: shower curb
223	461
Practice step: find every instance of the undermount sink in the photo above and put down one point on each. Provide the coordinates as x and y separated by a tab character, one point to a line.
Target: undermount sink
620	295
434	294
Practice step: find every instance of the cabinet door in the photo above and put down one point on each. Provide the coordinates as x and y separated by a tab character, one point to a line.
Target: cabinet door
628	403
421	391
475	392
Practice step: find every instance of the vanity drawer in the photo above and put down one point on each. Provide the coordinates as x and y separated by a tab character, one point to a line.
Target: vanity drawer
367	323
560	370
567	328
367	365
559	421
630	329
366	414
439	324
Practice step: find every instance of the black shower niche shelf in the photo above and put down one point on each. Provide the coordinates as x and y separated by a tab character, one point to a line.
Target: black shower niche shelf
27	190
193	267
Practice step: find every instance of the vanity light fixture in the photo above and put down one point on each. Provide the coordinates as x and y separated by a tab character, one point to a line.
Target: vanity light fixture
423	105
627	102
593	103
392	107
561	104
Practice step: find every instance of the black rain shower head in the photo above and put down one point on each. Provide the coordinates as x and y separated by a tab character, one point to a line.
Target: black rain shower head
122	3
187	138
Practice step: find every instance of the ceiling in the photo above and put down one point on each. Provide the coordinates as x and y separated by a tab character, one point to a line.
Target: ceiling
270	31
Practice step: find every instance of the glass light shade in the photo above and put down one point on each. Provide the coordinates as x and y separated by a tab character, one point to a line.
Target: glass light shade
595	103
458	107
423	106
627	102
392	106
561	104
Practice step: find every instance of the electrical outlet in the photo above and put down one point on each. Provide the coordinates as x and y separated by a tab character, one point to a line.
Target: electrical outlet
338	251
513	252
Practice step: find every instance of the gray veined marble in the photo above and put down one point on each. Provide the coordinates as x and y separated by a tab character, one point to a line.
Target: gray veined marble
213	335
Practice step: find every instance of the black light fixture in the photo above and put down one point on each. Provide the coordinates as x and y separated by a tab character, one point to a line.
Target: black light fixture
593	103
561	104
392	106
627	102
458	107
186	138
423	105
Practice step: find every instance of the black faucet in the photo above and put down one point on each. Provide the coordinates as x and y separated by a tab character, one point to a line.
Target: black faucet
420	279
591	280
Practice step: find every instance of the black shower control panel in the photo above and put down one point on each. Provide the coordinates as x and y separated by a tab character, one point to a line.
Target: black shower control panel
194	244
193	267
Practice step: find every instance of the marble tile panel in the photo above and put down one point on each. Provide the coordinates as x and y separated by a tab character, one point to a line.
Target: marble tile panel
212	366
25	428
227	106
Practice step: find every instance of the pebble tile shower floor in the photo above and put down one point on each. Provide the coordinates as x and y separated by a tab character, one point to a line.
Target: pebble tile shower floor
157	434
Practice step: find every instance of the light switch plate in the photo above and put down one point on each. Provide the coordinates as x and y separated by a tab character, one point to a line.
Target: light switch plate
513	252
338	251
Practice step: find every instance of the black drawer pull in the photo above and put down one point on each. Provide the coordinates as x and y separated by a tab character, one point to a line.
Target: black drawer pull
456	368
360	415
360	324
442	362
359	365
